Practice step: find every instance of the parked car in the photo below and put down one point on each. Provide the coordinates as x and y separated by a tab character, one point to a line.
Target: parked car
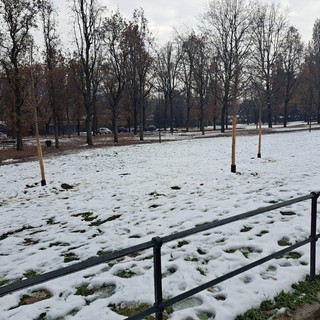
122	129
3	136
151	127
104	130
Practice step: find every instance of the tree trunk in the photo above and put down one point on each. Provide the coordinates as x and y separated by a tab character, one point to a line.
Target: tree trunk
188	111
89	114
285	115
202	115
269	109
223	117
56	131
18	104
318	113
171	113
89	130
115	123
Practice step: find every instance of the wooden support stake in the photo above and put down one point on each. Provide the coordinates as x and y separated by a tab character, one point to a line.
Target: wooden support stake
234	132
259	143
39	149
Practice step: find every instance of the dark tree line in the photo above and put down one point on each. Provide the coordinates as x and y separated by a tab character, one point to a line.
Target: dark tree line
244	60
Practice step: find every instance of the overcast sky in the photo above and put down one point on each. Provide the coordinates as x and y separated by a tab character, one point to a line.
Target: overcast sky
164	15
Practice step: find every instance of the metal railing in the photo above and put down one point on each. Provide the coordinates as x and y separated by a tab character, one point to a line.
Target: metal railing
157	242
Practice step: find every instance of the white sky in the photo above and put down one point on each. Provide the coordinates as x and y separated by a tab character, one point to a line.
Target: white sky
164	15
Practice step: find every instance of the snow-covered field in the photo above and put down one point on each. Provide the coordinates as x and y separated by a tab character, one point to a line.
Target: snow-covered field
123	196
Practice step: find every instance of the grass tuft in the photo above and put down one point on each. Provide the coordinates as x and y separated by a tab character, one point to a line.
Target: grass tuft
301	293
182	243
131	310
287	213
284	242
245	229
125	274
83	290
70	256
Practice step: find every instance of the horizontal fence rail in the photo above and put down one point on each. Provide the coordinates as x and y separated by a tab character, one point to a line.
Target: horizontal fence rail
157	242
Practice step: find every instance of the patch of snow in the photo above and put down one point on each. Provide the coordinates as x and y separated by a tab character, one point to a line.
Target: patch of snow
123	196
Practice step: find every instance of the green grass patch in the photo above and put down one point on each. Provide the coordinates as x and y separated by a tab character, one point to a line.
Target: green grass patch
100	222
201	251
202	270
101	253
83	290
114	217
30	241
182	243
9	233
106	290
59	244
35	296
86	216
153	206
131	310
287	213
70	256
51	221
192	259
172	270
293	255
3	281
260	234
247	279
245	229
79	231
155	194
230	250
220	297
30	274
126	273
271	268
42	316
301	293
205	315
169	271
284	242
201	224
244	250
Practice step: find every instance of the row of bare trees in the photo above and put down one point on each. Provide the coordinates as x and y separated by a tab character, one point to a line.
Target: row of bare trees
243	55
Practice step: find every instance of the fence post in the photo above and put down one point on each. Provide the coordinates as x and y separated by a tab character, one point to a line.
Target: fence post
313	235
157	277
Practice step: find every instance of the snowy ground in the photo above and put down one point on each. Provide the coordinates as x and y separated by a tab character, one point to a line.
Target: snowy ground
123	196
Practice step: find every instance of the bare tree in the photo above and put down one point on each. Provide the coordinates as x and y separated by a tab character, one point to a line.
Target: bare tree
316	49
202	73
51	54
167	68
187	68
269	32
139	41
87	34
227	23
292	60
73	105
115	64
18	18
